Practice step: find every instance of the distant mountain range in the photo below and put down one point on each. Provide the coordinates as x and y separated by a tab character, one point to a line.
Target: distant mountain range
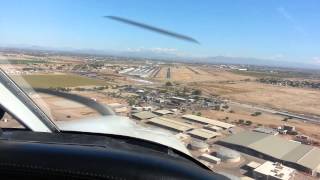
170	55
256	61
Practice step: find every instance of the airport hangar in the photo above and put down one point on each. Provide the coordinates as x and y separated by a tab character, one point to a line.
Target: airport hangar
293	154
204	120
170	124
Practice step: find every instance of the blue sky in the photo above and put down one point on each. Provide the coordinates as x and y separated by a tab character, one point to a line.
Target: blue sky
278	30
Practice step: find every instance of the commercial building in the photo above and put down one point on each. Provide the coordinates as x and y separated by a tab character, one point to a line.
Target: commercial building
170	124
273	171
273	148
289	128
162	112
213	128
143	115
204	120
266	130
178	100
203	134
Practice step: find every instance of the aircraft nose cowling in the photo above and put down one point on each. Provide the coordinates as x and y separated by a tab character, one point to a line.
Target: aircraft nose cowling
120	125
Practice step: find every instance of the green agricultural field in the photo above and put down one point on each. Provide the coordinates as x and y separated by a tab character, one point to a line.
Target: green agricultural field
64	80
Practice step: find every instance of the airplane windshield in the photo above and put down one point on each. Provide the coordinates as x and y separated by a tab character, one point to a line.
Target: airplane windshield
237	84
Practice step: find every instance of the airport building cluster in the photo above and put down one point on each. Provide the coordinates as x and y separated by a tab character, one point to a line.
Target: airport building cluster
200	134
293	154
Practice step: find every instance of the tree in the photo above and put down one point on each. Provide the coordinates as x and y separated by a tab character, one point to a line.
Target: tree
196	97
67	89
100	88
197	92
248	123
168	83
294	133
225	106
257	113
185	90
79	89
132	101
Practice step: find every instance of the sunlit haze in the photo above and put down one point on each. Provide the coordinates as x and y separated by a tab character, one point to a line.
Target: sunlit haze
284	31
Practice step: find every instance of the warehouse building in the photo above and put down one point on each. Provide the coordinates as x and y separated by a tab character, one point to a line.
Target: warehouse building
295	155
162	112
207	121
178	100
170	124
266	130
213	128
143	115
203	134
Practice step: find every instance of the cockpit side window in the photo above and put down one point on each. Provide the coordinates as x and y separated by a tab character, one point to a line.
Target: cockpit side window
8	121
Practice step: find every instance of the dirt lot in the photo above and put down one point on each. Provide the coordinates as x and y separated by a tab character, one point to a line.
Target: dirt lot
305	101
291	99
266	119
245	89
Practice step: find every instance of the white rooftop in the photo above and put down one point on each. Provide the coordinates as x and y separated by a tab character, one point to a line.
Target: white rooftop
275	170
253	164
210	158
172	124
208	121
163	112
203	133
214	128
